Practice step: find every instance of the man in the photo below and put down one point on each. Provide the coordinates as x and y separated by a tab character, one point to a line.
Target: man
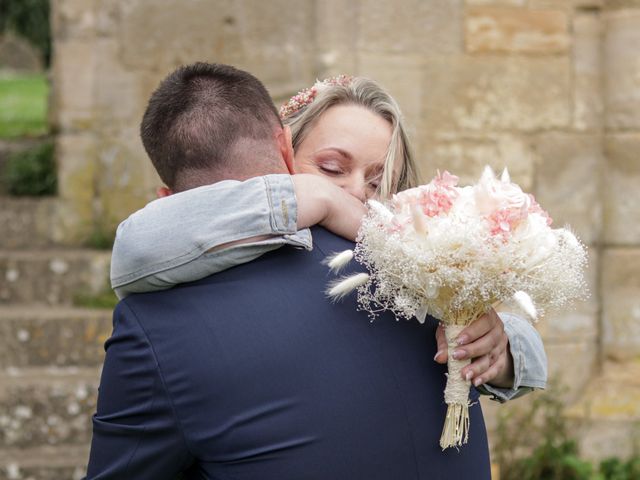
252	373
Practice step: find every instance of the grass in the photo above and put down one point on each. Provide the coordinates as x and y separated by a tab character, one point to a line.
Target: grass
23	106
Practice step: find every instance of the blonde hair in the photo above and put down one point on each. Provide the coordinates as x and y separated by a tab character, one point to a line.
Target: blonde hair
368	94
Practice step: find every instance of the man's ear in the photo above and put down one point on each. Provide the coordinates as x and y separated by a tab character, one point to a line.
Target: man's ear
286	147
163	192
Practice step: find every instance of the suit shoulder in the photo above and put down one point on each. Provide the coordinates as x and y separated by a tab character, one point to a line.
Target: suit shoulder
328	242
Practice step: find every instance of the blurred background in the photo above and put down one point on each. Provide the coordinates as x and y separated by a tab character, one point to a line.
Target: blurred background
548	88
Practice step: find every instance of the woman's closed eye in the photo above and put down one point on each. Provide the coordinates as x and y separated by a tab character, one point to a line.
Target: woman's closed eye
374	182
331	168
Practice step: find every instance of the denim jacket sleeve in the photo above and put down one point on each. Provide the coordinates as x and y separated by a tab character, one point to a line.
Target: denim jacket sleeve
529	360
181	238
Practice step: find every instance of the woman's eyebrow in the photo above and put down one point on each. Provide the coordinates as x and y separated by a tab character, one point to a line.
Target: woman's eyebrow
341	151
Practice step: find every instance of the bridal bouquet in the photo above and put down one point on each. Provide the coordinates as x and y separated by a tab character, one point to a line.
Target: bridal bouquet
454	252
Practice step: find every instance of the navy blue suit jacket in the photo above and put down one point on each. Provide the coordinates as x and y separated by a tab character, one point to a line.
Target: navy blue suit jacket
253	374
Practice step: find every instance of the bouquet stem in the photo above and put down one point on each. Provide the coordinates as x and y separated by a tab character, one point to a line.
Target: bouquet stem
455	432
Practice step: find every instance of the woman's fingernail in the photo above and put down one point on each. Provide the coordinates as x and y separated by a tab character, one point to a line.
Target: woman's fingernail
462	339
477	382
435	358
458	354
468	376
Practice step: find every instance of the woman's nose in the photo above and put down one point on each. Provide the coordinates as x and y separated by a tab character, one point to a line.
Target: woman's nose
357	187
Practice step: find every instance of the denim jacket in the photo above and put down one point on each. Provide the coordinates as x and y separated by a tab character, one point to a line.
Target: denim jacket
184	237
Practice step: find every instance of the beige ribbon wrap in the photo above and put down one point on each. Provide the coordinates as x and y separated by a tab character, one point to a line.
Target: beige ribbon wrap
456	395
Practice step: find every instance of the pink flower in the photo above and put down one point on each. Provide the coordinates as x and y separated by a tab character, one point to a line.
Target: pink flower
505	220
435	198
502	202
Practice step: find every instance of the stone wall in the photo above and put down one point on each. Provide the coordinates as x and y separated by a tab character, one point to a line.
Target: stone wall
548	88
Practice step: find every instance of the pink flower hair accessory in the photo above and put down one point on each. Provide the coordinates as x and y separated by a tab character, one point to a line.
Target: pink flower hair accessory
307	96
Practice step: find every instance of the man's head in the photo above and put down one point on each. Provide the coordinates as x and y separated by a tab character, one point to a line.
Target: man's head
209	122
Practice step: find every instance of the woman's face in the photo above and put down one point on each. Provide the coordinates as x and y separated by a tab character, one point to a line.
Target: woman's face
348	145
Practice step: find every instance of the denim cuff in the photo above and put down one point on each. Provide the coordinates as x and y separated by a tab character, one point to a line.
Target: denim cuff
529	360
284	210
282	202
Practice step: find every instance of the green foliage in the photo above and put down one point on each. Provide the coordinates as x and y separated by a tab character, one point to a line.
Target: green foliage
615	469
101	238
536	444
105	299
32	172
23	106
29	18
555	462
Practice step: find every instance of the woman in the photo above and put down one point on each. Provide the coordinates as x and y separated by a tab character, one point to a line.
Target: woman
349	131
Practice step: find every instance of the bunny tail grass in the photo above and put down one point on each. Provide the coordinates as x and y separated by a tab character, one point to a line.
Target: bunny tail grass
338	261
526	304
383	212
338	289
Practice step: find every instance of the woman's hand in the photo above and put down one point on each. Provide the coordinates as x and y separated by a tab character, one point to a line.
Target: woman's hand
486	343
322	202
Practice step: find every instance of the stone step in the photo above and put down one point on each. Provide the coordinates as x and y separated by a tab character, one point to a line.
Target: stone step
55	337
66	462
47	407
607	414
51	277
27	222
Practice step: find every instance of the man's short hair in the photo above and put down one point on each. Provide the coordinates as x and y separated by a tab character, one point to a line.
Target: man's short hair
199	113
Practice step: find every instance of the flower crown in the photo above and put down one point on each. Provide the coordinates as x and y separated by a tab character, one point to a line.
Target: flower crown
308	95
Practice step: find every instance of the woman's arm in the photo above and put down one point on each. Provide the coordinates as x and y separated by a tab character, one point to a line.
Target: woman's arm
193	234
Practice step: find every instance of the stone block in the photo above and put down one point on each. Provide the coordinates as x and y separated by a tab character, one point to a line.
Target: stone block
124	185
512	3
277	46
608	411
622	36
516	94
600	439
36	337
515	30
569	181
621	303
16	471
77	170
47	409
270	39
73	19
167	35
51	277
336	38
587	66
621	193
568	4
26	222
118	96
402	76
620	4
427	28
67	462
466	155
73	85
572	364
